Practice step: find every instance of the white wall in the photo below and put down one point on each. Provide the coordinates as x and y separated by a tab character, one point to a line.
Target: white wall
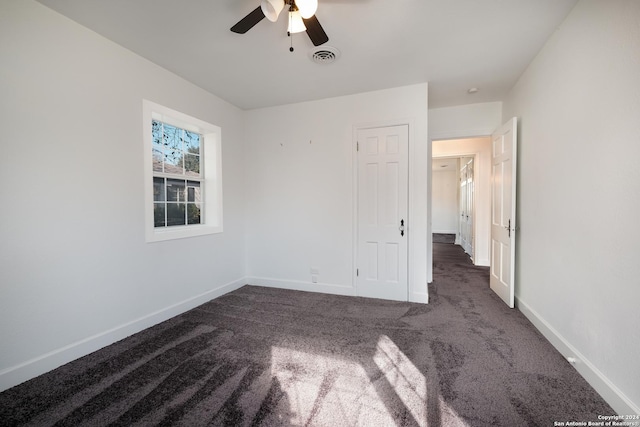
76	273
578	275
300	165
464	121
444	200
480	148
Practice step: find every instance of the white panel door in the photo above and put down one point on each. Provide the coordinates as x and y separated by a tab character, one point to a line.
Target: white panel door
503	211
383	183
463	202
466	205
470	207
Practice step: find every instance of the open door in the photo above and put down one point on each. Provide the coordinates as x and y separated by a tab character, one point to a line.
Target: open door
503	211
467	195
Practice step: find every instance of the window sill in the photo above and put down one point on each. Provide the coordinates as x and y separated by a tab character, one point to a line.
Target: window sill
177	232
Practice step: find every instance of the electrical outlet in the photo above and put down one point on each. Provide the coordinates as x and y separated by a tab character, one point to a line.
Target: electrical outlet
314	279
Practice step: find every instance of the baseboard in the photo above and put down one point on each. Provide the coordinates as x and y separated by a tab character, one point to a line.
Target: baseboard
445	232
298	285
609	392
32	368
326	288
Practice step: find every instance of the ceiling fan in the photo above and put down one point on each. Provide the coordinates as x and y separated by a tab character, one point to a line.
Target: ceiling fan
301	18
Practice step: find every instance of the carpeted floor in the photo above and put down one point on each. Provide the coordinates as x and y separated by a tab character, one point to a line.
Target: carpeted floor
269	357
444	238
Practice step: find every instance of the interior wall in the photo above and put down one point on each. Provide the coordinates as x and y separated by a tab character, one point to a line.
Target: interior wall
76	271
444	200
464	121
578	184
300	169
481	149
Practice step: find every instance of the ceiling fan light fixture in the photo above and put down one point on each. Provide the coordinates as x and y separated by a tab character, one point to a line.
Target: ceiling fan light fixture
307	8
272	9
296	25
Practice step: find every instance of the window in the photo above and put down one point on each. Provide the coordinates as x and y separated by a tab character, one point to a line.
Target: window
183	180
177	181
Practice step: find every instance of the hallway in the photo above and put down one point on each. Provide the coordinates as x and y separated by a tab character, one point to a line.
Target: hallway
449	257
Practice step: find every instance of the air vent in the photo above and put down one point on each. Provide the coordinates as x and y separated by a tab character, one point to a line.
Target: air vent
324	54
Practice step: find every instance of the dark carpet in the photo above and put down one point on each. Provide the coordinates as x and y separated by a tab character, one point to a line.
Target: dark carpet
270	357
444	238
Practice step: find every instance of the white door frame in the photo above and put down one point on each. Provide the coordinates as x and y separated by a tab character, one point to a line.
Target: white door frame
414	293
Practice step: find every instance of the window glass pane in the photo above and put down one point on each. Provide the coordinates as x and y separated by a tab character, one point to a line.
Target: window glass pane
175	214
158	189
172	139
157	161
192	142
156	134
175	190
192	164
158	215
193	192
193	213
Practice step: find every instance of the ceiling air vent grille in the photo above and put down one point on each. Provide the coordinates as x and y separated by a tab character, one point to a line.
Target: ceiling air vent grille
324	55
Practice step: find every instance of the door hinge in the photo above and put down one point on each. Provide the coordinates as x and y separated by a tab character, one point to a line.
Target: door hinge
357	272
357	145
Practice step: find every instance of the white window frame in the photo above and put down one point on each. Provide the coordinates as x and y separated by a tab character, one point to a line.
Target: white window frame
211	161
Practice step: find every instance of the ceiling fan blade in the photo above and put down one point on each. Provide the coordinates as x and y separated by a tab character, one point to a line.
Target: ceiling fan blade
246	23
315	31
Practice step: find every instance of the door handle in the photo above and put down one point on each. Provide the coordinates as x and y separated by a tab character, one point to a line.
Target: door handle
401	228
508	227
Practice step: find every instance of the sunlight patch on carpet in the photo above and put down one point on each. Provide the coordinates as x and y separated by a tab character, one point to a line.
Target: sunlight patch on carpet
407	381
323	390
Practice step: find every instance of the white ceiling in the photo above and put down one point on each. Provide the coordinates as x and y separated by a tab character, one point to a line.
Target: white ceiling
452	44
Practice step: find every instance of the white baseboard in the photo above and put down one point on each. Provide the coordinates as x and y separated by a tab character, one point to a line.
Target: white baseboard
39	365
298	285
324	288
445	232
609	392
